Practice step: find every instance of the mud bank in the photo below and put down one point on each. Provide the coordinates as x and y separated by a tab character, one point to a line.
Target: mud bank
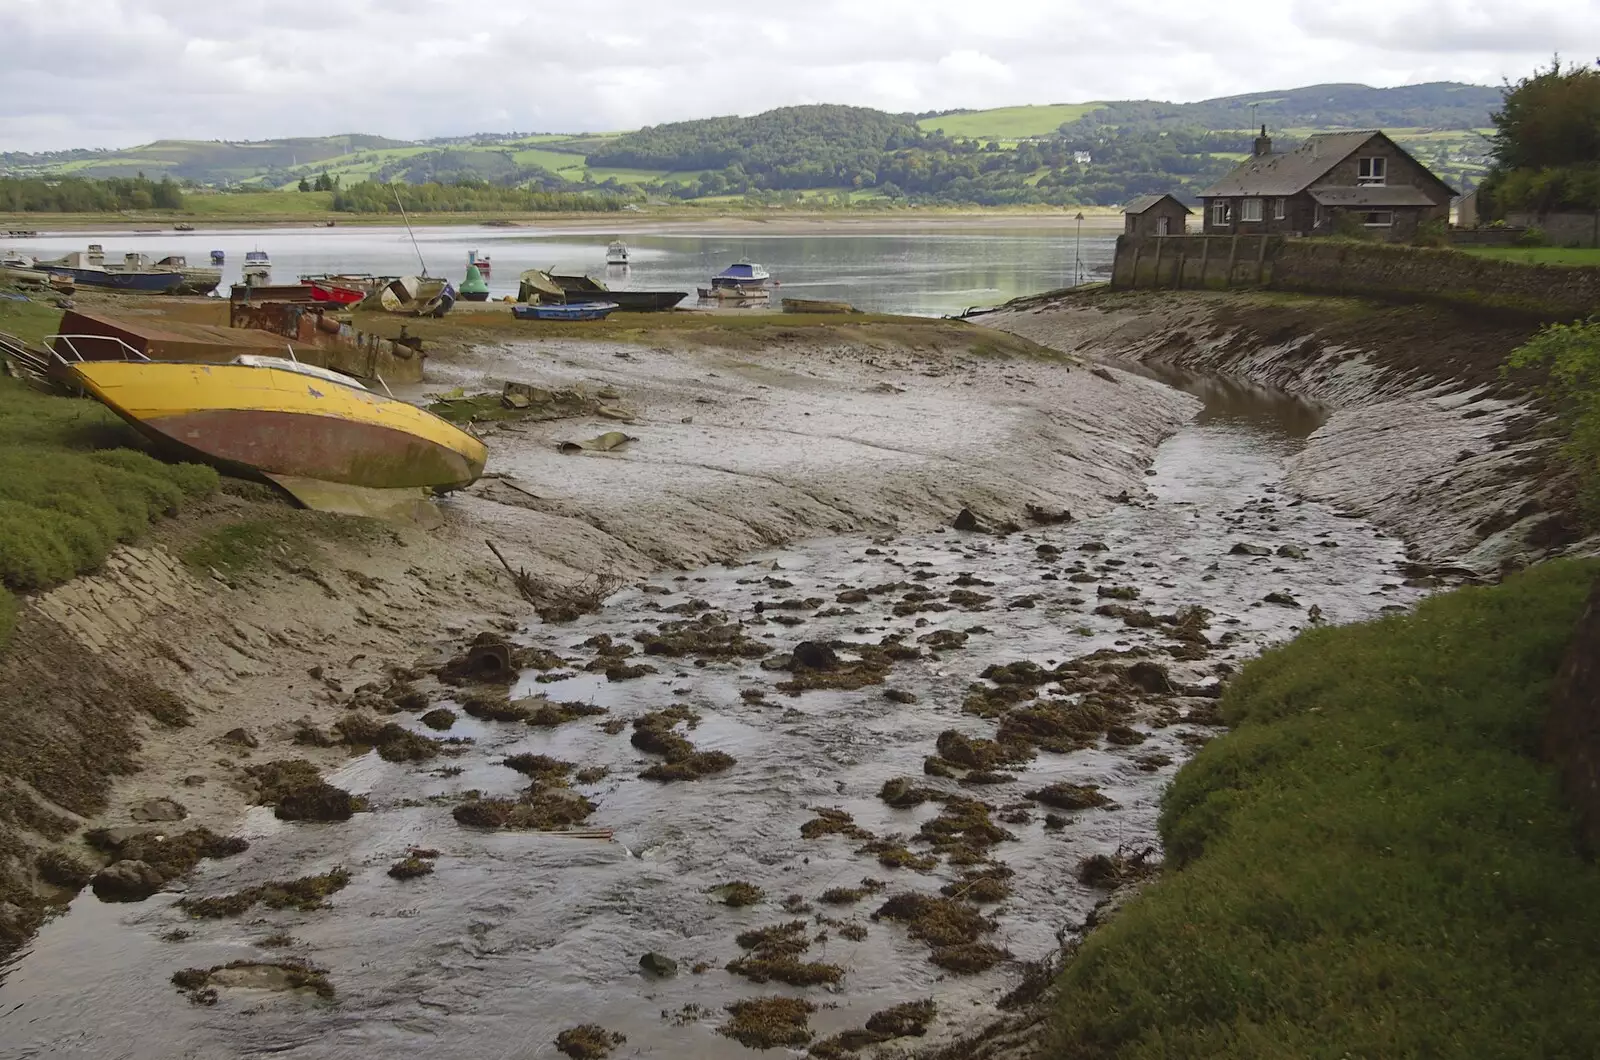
244	621
1423	436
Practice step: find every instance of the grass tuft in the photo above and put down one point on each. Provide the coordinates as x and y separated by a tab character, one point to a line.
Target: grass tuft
1373	862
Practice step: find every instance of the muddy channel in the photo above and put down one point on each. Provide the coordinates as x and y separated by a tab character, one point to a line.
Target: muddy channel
515	936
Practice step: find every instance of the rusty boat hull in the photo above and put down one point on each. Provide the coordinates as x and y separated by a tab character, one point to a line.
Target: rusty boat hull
275	422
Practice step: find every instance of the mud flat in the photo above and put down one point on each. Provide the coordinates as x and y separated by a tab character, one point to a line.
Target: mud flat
814	704
1423	434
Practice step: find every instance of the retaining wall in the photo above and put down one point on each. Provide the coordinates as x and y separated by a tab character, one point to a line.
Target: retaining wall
1374	270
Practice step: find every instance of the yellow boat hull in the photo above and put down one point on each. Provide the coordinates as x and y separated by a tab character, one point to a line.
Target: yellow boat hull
275	421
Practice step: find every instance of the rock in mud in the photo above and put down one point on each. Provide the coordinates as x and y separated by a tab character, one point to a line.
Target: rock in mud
1291	552
965	520
201	983
589	1041
1046	517
1243	548
899	695
659	964
127	881
1150	677
241	737
814	655
305	894
159	810
63	870
1281	599
143	862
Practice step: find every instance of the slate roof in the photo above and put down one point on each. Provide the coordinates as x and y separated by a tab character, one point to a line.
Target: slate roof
1373	195
1141	203
1290	172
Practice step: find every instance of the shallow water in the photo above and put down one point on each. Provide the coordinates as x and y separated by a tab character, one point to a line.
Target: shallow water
516	937
927	272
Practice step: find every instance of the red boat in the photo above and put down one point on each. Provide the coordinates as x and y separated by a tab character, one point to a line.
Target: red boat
322	291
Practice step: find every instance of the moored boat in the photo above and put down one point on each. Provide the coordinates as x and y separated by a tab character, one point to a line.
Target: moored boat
257	267
566	311
617	253
218	257
742	275
581	286
484	268
276	417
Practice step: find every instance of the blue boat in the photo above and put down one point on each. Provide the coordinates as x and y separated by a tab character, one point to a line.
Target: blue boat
218	257
567	311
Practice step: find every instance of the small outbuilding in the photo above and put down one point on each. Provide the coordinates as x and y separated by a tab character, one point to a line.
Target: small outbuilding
1155	215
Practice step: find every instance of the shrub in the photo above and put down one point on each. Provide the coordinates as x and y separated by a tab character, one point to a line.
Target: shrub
1532	236
1569	354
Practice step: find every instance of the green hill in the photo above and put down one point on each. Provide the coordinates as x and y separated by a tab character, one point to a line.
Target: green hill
1008	155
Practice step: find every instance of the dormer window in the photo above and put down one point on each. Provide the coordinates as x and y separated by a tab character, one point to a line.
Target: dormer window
1372	170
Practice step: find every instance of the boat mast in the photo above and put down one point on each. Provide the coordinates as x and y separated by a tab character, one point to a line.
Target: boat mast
409	232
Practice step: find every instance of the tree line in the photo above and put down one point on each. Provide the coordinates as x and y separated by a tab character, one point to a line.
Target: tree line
1546	144
83	195
467	196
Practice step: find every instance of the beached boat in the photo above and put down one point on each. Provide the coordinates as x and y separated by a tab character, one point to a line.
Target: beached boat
816	305
617	253
413	296
535	285
566	311
587	287
323	290
196	279
183	226
473	289
742	275
89	269
311	427
734	294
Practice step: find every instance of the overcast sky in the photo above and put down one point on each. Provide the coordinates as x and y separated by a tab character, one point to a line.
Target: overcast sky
113	73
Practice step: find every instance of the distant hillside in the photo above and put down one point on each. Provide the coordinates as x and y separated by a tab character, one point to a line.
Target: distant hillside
1059	154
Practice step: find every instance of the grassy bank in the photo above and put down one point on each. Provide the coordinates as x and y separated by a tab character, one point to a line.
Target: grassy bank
1537	255
1372	863
71	488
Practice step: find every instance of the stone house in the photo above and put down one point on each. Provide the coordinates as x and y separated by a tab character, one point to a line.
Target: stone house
1155	215
1304	191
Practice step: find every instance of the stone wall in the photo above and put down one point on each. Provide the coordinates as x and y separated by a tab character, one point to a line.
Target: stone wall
1373	270
1572	729
1562	229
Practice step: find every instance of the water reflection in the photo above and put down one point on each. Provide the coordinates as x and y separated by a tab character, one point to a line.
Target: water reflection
1230	400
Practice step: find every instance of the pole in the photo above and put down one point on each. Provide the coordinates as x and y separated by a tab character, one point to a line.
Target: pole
1077	254
409	232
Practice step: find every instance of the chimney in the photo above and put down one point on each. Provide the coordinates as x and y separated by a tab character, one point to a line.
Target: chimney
1263	143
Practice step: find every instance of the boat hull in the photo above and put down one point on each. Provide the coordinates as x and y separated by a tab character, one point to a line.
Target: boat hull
139	282
569	311
474	296
269	421
628	301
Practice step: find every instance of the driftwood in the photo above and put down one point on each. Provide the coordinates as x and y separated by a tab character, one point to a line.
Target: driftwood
519	576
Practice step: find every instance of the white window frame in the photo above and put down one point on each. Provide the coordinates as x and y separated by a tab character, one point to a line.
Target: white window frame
1251	210
1372	170
1221	213
1280	209
1386	222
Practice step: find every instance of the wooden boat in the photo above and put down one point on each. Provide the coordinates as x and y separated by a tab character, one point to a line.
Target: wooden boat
535	285
567	311
816	305
735	294
627	301
306	427
413	296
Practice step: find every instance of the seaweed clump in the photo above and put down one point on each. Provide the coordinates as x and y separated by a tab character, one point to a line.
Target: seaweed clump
410	867
394	742
143	863
296	792
654	732
201	983
1126	865
769	1022
305	894
951	929
588	1041
1070	796
737	894
901	1021
774	955
830	820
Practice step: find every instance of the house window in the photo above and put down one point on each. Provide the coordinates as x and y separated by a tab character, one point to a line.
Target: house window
1378	218
1279	209
1221	214
1250	210
1372	170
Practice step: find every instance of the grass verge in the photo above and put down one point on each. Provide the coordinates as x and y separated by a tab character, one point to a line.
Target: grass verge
1538	255
1372	863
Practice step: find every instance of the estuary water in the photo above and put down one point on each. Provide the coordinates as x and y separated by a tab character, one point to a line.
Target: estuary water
928	271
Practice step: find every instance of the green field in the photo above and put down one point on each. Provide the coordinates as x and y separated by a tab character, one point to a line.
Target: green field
1009	123
1538	255
1373	862
245	205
